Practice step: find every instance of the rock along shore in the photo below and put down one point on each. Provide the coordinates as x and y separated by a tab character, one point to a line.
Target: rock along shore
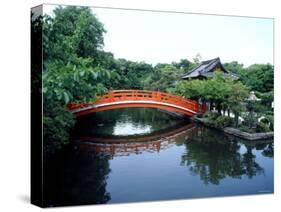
236	132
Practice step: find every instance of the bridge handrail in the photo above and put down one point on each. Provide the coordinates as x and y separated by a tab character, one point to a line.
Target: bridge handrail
145	95
129	92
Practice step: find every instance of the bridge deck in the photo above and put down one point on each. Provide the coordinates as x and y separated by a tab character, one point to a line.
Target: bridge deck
137	98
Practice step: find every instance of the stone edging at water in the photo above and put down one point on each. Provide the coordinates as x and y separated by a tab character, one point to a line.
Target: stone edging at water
248	136
236	132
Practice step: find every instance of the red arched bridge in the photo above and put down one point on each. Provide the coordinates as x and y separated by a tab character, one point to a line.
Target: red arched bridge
138	98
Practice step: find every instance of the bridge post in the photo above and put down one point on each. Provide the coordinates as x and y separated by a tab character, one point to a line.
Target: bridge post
158	95
143	99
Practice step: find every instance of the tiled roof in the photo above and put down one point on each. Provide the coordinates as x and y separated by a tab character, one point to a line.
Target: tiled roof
206	69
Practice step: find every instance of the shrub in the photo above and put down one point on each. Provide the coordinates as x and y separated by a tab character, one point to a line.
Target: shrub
57	124
211	116
270	118
224	121
250	120
265	121
247	129
262	127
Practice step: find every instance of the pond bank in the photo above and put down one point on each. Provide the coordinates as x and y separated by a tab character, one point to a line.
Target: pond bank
236	132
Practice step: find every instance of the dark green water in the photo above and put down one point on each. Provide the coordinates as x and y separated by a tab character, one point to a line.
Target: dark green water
179	160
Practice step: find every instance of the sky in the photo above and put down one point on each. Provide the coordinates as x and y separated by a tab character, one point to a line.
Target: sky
157	37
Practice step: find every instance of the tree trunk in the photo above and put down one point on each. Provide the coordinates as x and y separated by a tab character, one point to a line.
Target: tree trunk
228	112
219	108
211	105
236	118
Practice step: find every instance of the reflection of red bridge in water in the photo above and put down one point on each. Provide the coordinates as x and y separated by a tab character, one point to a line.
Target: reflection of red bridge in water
118	146
138	98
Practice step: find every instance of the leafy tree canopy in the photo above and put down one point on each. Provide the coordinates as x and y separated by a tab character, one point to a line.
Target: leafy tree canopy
73	30
259	77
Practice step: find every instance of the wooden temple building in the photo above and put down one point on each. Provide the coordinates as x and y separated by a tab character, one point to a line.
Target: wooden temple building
206	70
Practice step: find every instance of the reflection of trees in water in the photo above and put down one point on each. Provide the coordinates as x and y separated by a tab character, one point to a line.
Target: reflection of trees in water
249	165
137	117
213	156
76	178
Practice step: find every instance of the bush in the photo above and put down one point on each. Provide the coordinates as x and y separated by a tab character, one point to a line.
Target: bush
218	120
211	116
250	120
265	121
224	121
270	119
57	124
247	129
262	127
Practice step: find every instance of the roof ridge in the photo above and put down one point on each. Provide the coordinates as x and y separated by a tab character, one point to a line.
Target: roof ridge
205	66
211	62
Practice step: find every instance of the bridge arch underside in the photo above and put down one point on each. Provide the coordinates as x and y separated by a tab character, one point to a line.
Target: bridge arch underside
119	105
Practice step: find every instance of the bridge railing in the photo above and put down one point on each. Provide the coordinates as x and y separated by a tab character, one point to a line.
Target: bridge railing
141	95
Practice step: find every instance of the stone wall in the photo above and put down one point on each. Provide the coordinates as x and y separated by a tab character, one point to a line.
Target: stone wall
236	132
248	136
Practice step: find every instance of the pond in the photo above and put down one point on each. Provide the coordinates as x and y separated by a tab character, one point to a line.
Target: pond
146	154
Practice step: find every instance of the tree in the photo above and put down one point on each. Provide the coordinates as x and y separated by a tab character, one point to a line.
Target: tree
197	59
163	78
184	65
234	67
132	74
191	89
220	90
72	40
217	90
238	93
73	31
259	77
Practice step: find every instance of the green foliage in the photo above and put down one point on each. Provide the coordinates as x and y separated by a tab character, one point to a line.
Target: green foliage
36	50
238	93
133	74
262	127
73	31
224	121
184	65
220	90
77	69
270	119
266	99
72	71
163	78
256	110
217	89
193	89
234	67
217	120
211	115
259	77
250	120
57	123
244	128
77	81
